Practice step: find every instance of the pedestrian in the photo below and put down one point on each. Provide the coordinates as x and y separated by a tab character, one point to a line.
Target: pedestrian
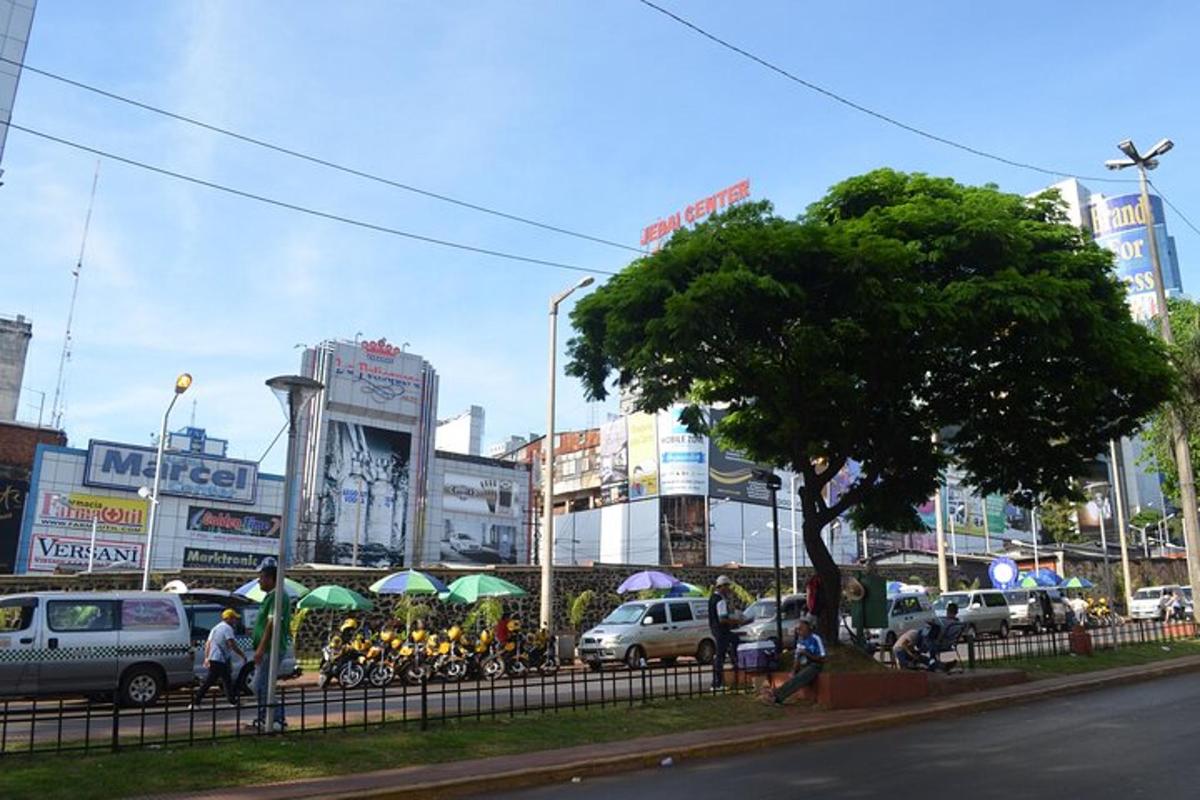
264	630
218	659
906	652
722	619
806	666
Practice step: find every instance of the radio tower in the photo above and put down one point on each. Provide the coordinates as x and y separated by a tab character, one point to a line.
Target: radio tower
60	400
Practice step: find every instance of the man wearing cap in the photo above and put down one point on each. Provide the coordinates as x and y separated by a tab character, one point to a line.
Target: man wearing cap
218	656
722	619
263	638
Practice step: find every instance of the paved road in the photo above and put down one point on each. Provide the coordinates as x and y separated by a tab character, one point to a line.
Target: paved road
1129	742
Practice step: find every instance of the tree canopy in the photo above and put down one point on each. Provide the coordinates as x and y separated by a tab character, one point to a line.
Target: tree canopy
897	306
1185	354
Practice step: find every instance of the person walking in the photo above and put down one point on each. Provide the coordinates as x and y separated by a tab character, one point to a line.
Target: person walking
218	659
722	619
264	628
809	660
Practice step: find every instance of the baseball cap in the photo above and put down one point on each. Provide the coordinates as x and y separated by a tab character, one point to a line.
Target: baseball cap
269	566
723	580
229	614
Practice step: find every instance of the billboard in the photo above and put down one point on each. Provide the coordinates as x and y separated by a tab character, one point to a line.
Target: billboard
1119	224
474	540
614	460
75	511
682	456
473	494
12	507
233	525
375	376
962	505
128	468
643	456
363	495
731	474
49	551
200	558
16	20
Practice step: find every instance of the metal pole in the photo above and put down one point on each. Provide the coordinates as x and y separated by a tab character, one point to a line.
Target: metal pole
1183	451
162	443
778	572
277	633
943	574
547	599
953	539
1125	572
1034	523
987	534
1108	582
792	504
92	546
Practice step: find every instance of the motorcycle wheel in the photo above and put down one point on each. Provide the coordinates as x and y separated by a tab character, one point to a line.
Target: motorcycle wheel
455	671
517	668
351	675
548	667
380	675
322	679
493	667
413	675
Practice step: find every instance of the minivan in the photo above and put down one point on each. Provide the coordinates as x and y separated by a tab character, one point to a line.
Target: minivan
134	645
906	610
644	629
762	626
1147	601
979	610
1026	609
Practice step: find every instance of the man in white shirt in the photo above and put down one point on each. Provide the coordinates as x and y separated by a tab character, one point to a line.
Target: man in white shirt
218	657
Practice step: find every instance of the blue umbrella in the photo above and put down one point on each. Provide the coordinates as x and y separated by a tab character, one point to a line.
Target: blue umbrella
893	587
650	579
1047	577
682	589
410	581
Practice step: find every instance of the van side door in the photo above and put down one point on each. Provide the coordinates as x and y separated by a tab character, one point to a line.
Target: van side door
20	645
655	634
684	639
153	629
80	646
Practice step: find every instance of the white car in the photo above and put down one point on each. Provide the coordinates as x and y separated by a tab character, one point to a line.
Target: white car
906	611
979	610
1147	601
762	626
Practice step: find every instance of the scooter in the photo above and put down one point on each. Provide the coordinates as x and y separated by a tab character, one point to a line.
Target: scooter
541	652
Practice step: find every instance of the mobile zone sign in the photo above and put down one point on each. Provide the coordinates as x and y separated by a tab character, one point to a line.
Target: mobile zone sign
693	213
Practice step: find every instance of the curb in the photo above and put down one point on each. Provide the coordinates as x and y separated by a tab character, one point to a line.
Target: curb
952	706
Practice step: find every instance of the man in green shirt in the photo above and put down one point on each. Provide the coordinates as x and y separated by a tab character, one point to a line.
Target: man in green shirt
262	638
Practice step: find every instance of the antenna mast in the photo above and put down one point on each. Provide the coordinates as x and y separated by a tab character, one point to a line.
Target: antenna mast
59	406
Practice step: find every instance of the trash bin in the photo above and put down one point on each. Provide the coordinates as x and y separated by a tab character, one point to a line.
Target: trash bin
757	657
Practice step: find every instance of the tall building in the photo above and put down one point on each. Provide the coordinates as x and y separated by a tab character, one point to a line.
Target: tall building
16	20
462	433
14	345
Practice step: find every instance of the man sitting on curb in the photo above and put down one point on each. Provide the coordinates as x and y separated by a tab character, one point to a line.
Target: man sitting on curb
809	659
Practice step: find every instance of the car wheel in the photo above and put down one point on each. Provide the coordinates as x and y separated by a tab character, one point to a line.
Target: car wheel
635	657
1003	632
1036	627
141	686
889	640
706	651
246	677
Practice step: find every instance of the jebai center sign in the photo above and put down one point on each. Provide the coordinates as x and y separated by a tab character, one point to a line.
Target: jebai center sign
695	212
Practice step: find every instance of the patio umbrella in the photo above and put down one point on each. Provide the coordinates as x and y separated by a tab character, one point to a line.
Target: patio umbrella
682	589
335	597
649	579
1078	583
1047	577
251	590
470	588
410	581
1028	582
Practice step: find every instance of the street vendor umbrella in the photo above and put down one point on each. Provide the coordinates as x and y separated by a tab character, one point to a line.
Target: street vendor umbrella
251	590
1028	582
335	597
649	579
1047	577
682	589
410	581
470	588
1078	583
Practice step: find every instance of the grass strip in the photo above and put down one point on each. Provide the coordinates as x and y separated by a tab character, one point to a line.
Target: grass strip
1126	655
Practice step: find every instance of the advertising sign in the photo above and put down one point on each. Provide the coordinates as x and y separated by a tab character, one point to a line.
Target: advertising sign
48	551
731	474
75	511
475	495
234	523
614	454
128	468
12	506
966	508
694	212
1119	224
682	456
376	376
199	558
363	496
469	539
643	456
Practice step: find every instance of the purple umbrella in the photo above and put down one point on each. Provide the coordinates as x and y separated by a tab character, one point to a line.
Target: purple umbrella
650	579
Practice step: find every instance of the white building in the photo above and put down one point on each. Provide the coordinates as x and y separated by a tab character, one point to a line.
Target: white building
462	433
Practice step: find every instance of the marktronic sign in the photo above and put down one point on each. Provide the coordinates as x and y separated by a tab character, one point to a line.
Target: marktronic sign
695	212
120	466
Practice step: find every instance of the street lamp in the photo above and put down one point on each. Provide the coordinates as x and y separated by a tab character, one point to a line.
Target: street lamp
547	604
293	392
181	385
774	482
1179	433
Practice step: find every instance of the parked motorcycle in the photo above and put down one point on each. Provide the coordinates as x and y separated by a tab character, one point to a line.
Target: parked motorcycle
379	667
340	658
541	652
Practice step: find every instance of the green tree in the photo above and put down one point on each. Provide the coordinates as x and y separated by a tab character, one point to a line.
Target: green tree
1185	355
895	307
1058	520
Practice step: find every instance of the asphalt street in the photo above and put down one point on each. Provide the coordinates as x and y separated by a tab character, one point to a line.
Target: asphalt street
1128	742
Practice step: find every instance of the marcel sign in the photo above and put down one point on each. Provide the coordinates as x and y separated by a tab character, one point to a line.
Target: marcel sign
126	467
694	212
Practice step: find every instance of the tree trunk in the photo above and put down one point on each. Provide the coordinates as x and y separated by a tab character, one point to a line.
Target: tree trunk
827	570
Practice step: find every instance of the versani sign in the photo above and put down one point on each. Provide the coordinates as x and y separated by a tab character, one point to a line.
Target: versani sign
127	467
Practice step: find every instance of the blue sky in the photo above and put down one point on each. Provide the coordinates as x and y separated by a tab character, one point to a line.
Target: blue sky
597	116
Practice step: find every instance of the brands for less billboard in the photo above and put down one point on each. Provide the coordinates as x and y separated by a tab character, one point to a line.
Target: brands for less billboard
1119	224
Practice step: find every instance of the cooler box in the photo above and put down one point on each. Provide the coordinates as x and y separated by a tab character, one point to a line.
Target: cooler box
756	657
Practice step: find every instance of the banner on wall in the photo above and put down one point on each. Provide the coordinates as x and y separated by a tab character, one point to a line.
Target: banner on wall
682	456
473	540
731	474
1119	225
967	510
614	458
643	456
129	468
376	375
205	519
200	558
471	494
49	551
13	496
75	511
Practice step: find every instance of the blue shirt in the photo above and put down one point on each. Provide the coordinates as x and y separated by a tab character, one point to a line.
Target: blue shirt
810	645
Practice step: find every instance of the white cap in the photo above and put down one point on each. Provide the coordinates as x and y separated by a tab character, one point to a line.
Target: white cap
723	580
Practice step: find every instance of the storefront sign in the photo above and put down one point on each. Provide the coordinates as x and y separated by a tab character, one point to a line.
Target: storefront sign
695	212
127	467
376	375
75	511
199	558
643	456
235	523
731	474
48	551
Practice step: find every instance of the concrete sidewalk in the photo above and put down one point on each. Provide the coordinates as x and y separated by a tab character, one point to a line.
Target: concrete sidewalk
462	778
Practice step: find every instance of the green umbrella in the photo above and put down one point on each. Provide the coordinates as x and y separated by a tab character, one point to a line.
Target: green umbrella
1028	582
470	588
335	597
252	591
1077	583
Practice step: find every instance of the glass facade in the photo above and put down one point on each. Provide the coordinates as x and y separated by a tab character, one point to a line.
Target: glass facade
16	19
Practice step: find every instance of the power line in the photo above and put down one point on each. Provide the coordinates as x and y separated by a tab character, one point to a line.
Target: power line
305	209
242	137
1174	208
832	95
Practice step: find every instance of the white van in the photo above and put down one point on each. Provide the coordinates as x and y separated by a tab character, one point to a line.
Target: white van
906	610
1147	601
979	610
133	645
644	629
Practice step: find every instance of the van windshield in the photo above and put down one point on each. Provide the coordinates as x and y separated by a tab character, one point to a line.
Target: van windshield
960	598
1148	594
763	609
628	614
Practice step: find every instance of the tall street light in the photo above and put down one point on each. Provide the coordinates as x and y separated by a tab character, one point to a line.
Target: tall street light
181	385
774	484
547	555
1179	435
293	392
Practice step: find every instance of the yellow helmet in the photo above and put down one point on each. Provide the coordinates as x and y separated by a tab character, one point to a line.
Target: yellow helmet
485	637
396	643
514	625
385	636
454	634
444	648
348	625
418	635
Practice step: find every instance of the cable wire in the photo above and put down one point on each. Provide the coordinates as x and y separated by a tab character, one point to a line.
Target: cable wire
305	209
1174	208
242	137
837	98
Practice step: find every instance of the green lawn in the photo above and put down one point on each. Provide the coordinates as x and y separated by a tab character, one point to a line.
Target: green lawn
1127	655
313	755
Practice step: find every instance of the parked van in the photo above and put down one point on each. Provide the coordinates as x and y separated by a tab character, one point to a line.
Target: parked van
644	629
979	610
762	626
1026	610
906	610
1147	601
134	645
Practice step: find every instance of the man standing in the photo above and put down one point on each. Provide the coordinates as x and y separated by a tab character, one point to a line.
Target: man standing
722	619
809	659
264	629
218	650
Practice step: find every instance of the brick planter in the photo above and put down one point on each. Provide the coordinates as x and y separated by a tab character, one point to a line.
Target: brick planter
853	689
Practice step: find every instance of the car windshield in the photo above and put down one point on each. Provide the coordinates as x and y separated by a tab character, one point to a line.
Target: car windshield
947	599
1017	597
1187	592
761	609
628	614
1148	594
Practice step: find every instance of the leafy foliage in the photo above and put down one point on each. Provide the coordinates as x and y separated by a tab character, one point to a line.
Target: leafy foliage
577	608
409	610
487	611
1185	354
1058	520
